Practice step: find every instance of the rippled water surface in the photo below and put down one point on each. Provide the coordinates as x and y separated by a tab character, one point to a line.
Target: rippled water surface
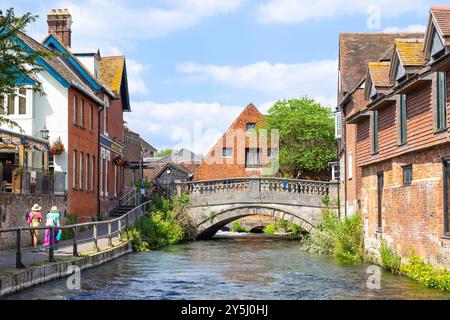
250	268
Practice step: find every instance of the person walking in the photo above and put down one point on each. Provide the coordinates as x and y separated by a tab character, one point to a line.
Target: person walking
53	219
34	220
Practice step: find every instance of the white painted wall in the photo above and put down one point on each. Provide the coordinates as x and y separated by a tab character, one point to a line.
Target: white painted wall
47	108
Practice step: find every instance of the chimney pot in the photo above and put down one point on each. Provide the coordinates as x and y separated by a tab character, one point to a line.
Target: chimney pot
60	23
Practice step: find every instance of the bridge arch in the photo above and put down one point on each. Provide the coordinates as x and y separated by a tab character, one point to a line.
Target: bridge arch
207	228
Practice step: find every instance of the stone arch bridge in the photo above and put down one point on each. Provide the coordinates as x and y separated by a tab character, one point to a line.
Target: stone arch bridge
216	203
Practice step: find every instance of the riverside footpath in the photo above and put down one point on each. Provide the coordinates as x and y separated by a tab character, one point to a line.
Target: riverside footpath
101	243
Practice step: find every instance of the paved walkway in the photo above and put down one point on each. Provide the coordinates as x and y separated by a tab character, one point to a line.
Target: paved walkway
85	245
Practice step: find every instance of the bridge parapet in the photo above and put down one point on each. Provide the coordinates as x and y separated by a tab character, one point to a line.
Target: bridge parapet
255	185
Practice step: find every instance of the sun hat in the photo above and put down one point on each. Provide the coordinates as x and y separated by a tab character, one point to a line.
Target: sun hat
36	207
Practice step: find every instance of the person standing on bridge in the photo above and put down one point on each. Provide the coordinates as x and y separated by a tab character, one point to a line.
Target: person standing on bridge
53	220
34	220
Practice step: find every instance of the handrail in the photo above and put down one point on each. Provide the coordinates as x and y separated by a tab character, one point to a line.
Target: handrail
75	228
252	179
132	192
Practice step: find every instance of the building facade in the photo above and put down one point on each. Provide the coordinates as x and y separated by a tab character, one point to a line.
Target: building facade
401	146
239	152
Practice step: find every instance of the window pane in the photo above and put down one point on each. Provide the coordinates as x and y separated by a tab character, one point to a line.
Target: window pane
23	91
403	135
75	109
227	152
253	158
22	105
2	105
250	126
441	100
11	103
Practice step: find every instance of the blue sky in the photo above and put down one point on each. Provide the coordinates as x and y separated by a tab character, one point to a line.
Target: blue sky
195	64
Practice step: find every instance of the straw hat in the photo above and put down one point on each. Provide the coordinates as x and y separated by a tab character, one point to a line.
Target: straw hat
54	209
36	207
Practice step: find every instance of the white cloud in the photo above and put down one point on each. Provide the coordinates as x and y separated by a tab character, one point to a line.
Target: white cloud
136	82
410	28
114	22
316	79
181	122
297	11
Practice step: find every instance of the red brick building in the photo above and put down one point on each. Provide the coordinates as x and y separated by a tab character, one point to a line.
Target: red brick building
401	144
239	152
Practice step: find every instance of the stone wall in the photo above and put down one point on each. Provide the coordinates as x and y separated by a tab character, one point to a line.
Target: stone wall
412	215
13	209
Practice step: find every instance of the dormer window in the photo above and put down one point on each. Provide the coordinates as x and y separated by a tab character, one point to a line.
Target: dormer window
400	74
437	47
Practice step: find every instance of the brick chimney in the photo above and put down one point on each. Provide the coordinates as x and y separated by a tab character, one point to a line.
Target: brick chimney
60	23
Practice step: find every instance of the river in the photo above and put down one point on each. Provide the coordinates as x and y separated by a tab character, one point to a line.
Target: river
235	268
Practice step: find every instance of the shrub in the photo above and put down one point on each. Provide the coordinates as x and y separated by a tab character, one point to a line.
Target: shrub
271	229
237	227
160	229
137	242
426	274
389	259
282	224
344	239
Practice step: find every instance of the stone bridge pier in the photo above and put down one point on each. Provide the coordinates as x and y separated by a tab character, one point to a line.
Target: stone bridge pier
216	203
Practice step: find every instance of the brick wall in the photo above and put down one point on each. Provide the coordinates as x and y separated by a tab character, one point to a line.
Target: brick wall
82	202
412	215
13	209
214	166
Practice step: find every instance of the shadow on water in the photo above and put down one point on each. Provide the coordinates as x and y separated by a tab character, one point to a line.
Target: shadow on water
244	267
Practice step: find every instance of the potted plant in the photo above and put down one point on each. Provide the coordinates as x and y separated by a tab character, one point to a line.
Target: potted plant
57	147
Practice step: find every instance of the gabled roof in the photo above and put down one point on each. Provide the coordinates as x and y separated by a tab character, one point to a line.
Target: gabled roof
442	17
379	74
52	41
58	69
356	50
111	71
113	74
152	174
410	52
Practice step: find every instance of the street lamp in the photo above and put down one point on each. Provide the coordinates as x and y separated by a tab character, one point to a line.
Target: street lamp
45	133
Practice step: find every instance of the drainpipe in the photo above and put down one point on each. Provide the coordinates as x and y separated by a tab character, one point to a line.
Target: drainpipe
339	180
102	107
345	170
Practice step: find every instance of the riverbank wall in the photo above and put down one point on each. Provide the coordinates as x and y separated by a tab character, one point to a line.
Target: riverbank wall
13	281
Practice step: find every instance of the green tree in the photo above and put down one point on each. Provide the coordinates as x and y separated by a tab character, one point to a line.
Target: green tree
307	141
16	60
164	153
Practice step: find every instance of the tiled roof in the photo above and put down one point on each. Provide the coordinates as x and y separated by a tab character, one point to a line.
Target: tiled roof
111	71
442	17
410	52
379	73
60	67
356	50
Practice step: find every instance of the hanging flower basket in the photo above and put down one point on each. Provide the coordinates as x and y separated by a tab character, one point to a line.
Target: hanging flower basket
57	147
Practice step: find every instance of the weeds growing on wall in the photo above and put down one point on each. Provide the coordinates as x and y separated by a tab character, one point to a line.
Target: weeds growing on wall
425	274
390	260
237	227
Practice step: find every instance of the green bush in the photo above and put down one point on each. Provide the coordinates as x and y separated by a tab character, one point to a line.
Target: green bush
295	230
282	224
271	229
137	242
160	229
389	259
237	227
341	238
426	274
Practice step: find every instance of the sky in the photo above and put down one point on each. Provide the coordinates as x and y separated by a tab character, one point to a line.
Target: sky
193	65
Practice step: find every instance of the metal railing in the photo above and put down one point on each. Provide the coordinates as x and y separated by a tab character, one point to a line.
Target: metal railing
129	198
122	223
261	184
21	180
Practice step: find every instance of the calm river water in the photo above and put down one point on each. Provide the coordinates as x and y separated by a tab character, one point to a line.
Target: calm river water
247	268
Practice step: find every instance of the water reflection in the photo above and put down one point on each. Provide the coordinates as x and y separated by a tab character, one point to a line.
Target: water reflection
252	268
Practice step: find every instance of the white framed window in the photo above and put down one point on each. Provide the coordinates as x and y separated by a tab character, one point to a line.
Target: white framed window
87	172
75	110
15	104
101	175
81	113
74	169
92	172
91	117
106	177
106	117
115	181
350	165
227	152
80	180
338	125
